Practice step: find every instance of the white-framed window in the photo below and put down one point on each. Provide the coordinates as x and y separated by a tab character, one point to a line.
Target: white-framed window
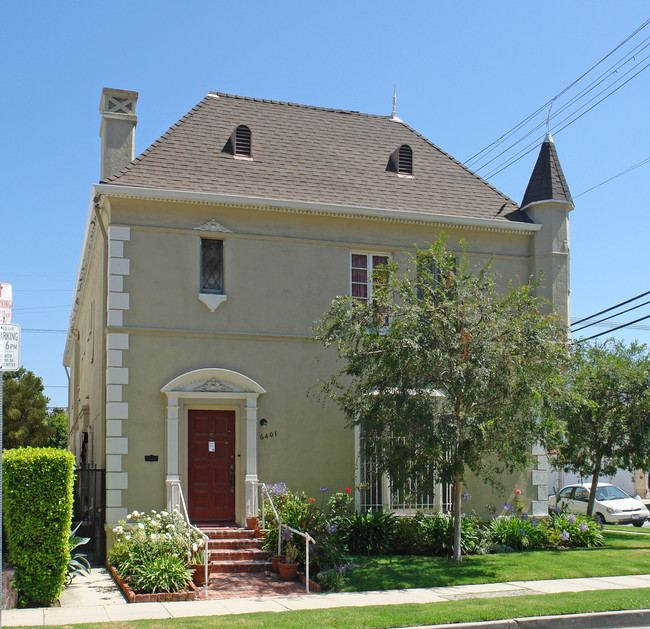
365	270
374	490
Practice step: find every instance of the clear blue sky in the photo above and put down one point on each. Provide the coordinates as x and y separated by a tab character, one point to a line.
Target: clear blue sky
466	72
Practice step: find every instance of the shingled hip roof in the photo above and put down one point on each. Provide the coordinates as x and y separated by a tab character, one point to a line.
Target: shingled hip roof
312	155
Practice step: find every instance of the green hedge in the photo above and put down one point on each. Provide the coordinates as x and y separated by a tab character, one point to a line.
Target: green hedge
38	486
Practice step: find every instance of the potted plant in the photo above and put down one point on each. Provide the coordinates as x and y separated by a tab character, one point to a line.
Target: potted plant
197	564
251	522
289	567
275	562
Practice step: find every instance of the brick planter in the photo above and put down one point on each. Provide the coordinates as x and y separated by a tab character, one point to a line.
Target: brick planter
161	597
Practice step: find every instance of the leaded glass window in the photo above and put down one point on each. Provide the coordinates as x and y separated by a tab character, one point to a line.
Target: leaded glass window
212	266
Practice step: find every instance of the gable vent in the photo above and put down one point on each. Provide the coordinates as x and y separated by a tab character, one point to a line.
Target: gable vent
401	161
405	160
242	141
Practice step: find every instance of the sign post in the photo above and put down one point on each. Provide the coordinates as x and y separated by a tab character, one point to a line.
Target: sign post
9	361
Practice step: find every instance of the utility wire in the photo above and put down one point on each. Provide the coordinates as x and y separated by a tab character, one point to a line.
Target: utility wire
624	172
624	325
623	303
645	303
523	152
514	129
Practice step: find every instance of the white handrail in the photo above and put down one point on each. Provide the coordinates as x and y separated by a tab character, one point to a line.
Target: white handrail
177	501
307	536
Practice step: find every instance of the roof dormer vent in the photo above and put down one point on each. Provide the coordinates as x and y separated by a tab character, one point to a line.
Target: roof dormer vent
241	141
401	160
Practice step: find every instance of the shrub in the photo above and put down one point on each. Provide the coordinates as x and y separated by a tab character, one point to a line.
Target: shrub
164	573
321	522
150	549
519	533
368	532
37	495
566	529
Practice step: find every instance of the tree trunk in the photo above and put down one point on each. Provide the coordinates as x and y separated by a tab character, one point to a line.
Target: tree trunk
594	484
458	485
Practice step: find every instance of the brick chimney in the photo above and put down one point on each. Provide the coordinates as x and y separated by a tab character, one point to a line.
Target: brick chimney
117	130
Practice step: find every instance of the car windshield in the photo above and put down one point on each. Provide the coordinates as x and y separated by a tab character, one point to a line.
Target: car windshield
610	492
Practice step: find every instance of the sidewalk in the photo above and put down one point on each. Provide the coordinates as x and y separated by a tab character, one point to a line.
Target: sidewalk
95	599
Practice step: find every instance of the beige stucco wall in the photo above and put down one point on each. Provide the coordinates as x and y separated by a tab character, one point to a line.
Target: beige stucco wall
281	270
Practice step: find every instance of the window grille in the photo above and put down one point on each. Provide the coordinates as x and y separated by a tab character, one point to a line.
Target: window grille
212	266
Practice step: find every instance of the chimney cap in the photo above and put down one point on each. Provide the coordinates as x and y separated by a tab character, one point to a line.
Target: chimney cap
118	102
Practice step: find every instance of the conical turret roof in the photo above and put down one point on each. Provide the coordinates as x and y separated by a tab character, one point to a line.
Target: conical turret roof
547	183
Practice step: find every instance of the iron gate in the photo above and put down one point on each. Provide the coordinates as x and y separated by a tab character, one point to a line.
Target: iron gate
89	508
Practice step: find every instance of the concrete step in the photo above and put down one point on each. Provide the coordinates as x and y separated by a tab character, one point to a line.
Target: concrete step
223	532
233	544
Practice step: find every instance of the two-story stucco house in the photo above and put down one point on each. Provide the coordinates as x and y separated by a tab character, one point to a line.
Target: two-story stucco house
207	259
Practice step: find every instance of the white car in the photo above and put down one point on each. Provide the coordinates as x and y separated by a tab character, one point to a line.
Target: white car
612	504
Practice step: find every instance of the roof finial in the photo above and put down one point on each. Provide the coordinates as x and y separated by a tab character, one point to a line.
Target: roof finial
549	137
394	114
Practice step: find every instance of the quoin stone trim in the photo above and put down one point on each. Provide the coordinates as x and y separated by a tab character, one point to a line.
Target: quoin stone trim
117	375
213	388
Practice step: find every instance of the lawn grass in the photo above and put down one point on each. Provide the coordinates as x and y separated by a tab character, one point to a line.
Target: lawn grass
623	554
379	617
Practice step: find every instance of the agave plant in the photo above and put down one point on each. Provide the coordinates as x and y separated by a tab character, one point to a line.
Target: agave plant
78	563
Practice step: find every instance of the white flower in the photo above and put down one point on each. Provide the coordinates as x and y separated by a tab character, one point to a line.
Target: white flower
118	530
141	526
195	547
128	537
153	537
171	527
164	514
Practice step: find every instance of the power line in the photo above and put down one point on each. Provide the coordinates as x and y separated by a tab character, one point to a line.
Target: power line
624	172
43	331
624	325
627	301
561	93
645	303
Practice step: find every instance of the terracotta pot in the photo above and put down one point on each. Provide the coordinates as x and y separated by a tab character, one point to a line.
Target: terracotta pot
288	571
251	522
275	560
198	576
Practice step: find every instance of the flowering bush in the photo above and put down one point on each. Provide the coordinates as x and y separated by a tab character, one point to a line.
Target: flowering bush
142	539
320	519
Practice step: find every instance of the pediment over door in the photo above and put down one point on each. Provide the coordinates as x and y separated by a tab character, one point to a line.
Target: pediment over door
213	380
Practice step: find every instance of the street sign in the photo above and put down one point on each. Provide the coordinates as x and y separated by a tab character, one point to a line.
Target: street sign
6	301
9	347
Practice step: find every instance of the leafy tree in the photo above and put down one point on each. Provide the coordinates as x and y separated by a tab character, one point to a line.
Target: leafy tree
444	372
57	419
24	410
606	411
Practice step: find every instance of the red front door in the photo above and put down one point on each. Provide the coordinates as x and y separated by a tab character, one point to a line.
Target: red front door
211	466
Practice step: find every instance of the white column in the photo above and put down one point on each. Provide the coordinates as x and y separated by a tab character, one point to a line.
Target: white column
251	455
172	442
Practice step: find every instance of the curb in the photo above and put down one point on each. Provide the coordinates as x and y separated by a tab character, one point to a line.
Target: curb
599	620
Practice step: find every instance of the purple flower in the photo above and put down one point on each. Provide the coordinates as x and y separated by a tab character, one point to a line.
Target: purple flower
523	516
507	507
286	535
533	522
466	496
331	528
324	490
583	527
564	536
571	519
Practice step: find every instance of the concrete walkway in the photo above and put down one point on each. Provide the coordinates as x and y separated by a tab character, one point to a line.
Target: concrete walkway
96	599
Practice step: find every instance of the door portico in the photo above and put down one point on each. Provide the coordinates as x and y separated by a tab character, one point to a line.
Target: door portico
214	389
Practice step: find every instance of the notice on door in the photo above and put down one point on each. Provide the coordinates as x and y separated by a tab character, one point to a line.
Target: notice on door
210	446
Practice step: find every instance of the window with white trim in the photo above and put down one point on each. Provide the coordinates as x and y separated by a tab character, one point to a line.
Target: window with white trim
365	270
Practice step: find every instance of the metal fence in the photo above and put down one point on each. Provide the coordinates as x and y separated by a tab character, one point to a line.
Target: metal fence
89	510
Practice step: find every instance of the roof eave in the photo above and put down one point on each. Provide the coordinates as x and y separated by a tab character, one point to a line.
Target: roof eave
316	208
